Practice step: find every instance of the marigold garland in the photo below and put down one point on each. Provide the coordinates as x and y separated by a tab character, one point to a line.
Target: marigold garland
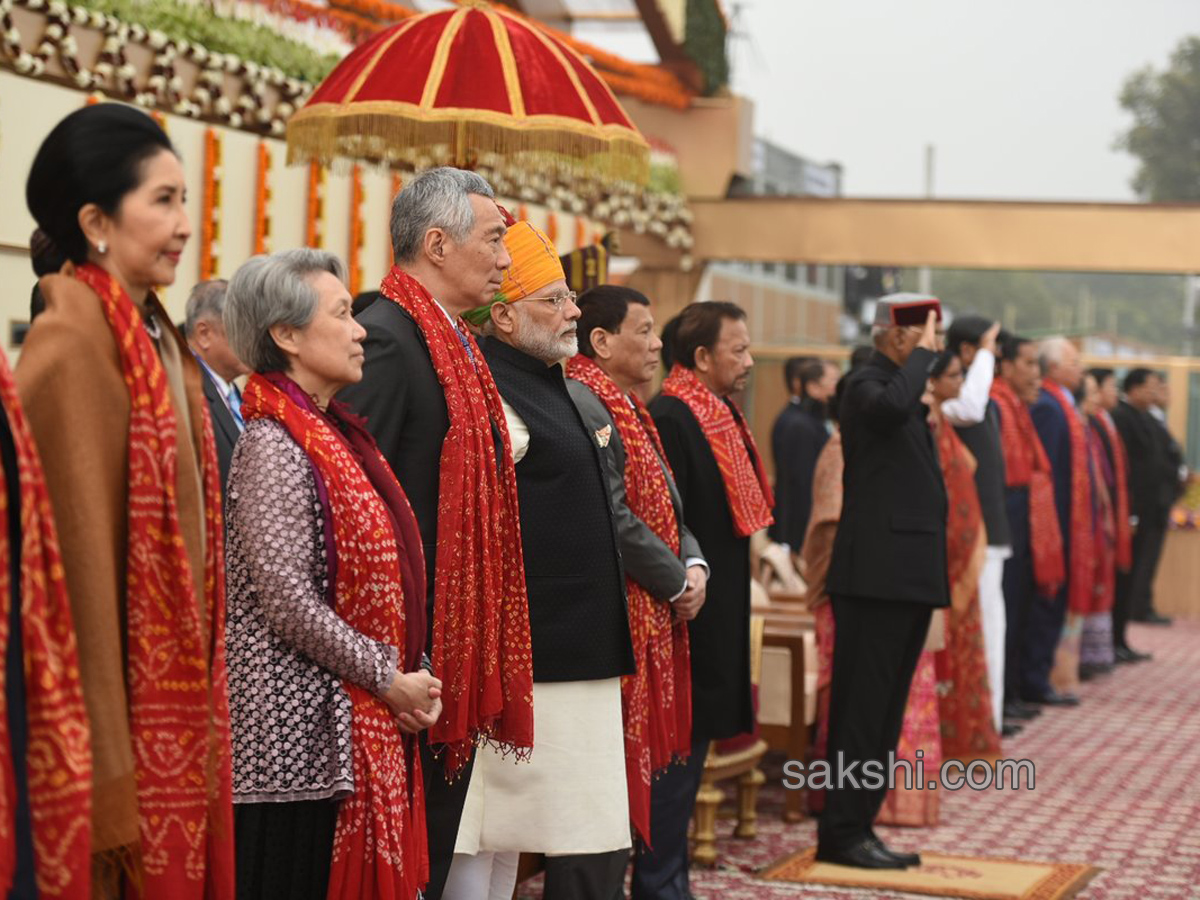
397	184
580	232
262	199
552	227
313	236
354	256
210	203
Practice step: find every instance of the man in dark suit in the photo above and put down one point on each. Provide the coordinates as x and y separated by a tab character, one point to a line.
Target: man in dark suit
447	235
888	570
1062	373
711	352
206	336
1153	480
799	433
616	334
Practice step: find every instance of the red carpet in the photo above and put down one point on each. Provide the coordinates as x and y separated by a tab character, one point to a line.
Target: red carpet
1118	787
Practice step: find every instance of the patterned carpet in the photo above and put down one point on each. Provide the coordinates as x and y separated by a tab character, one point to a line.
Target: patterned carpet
1118	786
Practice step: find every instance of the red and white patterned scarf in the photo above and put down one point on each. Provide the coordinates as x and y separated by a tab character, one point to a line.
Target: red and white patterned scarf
1121	504
379	846
59	757
1026	465
657	698
742	470
1081	577
481	644
178	698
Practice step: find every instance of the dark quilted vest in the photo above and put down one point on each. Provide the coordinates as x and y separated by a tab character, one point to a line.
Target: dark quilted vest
577	614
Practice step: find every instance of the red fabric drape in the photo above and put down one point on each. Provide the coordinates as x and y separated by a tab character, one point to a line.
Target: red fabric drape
657	698
481	645
1026	465
59	757
379	846
178	699
742	470
1121	507
1081	576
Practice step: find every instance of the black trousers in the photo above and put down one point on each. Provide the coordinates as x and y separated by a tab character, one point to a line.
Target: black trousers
1148	543
1018	596
875	650
443	811
1046	621
592	876
662	873
284	849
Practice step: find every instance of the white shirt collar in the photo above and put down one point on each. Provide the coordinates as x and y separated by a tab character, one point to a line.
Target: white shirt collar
449	318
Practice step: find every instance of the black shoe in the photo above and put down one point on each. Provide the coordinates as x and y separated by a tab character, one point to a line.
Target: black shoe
905	859
1054	698
864	854
1009	729
1153	618
1129	655
1088	671
1015	709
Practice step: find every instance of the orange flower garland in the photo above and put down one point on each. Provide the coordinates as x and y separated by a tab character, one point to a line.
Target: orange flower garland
523	213
397	184
262	199
313	236
552	227
580	232
210	203
354	256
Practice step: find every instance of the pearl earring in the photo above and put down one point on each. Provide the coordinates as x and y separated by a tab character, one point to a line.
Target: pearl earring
102	247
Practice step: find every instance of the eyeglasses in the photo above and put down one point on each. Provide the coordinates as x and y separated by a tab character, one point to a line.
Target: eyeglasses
558	301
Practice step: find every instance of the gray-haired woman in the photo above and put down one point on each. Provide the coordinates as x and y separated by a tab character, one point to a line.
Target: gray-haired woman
326	628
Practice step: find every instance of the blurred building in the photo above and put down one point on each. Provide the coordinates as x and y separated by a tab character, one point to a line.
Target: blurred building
788	303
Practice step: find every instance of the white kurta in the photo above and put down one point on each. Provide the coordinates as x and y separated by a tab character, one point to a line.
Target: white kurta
571	797
994	624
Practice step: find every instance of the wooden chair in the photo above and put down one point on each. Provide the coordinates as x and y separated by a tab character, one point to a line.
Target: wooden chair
787	694
738	759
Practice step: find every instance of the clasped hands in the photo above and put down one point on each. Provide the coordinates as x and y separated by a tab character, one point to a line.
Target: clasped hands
416	700
688	604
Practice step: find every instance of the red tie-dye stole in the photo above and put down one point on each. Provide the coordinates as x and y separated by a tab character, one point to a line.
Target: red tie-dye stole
178	698
379	847
742	470
58	761
657	698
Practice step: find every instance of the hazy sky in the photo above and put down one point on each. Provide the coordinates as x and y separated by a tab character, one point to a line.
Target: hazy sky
1018	97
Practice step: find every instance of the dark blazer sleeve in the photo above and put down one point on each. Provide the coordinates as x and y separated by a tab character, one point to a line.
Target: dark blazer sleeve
646	557
1051	426
382	396
886	405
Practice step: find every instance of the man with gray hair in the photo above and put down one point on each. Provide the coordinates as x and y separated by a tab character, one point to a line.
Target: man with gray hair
219	365
434	410
1060	428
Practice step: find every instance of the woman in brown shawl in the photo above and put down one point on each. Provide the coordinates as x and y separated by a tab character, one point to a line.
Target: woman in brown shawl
115	403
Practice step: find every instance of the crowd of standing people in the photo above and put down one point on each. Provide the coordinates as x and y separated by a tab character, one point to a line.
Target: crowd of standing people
413	597
984	518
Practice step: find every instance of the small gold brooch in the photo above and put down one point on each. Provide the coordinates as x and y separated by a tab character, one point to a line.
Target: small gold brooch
603	435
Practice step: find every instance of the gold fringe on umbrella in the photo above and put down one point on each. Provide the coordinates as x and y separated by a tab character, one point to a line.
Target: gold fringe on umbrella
395	133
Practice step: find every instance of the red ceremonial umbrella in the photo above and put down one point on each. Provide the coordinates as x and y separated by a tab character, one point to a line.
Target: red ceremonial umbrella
464	86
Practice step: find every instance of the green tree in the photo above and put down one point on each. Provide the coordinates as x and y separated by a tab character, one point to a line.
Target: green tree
1165	135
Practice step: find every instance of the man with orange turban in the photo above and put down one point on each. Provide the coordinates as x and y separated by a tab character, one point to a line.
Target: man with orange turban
570	801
